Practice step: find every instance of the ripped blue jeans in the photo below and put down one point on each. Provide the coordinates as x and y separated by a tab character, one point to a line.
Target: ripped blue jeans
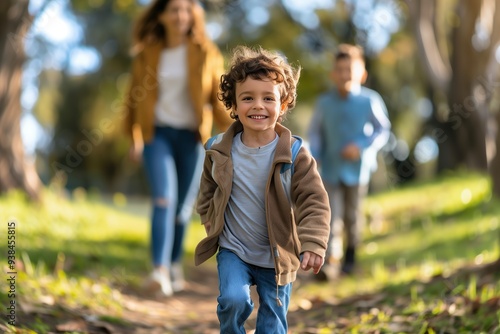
173	161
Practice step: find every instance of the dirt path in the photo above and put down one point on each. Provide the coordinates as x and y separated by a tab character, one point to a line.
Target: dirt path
193	310
189	311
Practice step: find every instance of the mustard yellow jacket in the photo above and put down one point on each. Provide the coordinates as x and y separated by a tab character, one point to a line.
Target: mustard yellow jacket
205	66
303	225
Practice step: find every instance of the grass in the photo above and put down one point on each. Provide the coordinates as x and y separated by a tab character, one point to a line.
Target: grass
421	264
76	251
70	254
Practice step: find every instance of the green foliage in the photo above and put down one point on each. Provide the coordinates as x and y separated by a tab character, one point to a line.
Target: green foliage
77	105
87	110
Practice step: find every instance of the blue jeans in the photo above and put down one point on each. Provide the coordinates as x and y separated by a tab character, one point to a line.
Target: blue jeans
235	304
173	161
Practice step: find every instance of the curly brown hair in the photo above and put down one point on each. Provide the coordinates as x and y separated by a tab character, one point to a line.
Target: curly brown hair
259	64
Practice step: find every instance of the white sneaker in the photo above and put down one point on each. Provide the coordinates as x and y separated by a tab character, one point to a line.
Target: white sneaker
160	280
177	277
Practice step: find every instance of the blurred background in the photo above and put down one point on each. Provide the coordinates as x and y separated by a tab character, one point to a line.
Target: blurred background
65	64
430	261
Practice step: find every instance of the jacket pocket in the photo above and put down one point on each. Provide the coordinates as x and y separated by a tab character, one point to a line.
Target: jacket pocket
210	214
295	236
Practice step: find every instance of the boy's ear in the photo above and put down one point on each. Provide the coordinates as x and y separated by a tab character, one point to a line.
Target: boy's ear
283	108
364	76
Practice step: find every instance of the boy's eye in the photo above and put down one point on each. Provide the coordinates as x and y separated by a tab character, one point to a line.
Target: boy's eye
246	98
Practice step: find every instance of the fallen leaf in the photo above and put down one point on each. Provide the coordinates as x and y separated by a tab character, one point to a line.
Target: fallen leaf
72	326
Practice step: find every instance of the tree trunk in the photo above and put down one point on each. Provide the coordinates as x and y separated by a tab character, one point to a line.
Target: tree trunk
15	171
423	19
468	111
495	163
464	79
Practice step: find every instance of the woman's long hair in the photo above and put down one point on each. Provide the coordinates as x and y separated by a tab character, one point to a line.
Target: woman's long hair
148	28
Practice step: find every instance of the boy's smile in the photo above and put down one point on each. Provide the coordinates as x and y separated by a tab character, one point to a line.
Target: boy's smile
258	107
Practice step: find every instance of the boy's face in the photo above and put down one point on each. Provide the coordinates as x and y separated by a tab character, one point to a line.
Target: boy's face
258	105
347	73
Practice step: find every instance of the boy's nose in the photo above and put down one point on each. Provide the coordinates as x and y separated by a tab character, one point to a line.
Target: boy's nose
258	105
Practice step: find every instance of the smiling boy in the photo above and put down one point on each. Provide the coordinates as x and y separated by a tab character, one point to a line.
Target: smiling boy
261	237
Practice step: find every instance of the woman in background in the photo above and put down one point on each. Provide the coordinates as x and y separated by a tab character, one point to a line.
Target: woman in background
171	106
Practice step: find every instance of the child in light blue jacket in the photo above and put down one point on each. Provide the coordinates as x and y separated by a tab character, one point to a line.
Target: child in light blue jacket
348	127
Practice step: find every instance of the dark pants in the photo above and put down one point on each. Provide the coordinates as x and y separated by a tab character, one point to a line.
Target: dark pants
347	220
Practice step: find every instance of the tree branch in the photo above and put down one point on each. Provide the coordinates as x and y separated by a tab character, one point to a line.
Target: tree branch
437	66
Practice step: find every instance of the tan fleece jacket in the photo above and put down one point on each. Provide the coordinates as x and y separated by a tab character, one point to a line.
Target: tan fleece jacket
291	231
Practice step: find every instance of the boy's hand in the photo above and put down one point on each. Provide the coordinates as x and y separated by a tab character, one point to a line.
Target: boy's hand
311	260
351	152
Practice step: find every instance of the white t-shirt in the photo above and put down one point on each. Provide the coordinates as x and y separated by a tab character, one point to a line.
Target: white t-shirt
245	229
174	107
